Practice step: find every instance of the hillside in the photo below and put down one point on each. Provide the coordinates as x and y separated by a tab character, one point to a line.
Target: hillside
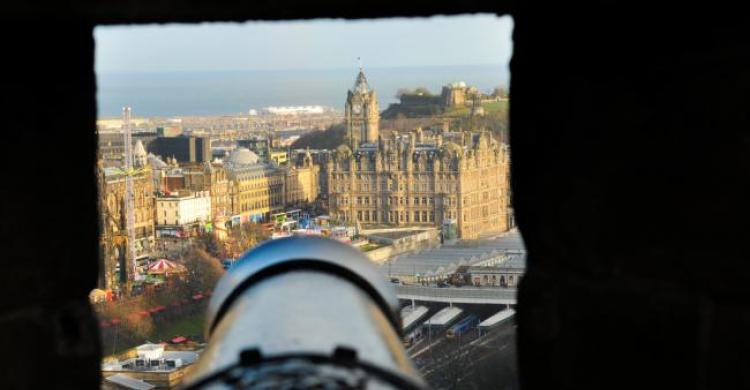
329	138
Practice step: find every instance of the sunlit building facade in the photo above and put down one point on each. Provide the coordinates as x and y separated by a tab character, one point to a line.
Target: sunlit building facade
113	237
418	178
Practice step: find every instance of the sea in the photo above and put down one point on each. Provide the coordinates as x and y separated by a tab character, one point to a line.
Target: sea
172	94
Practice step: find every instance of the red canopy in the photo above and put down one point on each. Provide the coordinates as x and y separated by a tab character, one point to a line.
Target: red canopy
197	297
164	266
115	321
178	339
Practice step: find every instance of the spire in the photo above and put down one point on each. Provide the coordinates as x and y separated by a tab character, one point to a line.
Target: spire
139	154
360	86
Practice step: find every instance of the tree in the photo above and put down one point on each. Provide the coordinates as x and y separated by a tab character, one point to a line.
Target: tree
403	91
422	91
500	92
203	270
329	138
210	244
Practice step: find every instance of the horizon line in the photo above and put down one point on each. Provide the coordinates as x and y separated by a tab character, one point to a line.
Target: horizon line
289	69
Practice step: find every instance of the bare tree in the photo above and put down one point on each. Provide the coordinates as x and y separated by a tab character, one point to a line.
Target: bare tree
203	270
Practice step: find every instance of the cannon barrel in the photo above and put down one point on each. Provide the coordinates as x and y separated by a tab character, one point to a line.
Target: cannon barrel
304	312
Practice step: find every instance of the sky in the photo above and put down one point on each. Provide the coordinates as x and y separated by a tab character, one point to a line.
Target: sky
316	44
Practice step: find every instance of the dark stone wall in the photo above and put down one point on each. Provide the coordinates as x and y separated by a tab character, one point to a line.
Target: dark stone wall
629	137
629	134
48	205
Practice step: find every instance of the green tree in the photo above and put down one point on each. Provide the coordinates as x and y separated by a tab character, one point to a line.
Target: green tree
403	91
422	91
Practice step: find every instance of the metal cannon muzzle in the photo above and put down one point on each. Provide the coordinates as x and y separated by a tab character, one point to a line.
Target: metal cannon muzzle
304	312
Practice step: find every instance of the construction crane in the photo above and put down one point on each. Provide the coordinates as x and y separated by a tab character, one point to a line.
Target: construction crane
129	170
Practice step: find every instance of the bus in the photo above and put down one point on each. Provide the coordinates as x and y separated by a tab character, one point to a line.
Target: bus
295	214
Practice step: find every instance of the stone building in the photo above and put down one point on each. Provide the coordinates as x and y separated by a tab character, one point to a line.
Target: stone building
167	176
256	189
459	179
211	177
506	274
113	217
301	178
454	94
182	210
245	189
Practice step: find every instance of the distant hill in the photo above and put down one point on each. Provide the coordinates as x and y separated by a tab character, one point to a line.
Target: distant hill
396	110
329	138
414	104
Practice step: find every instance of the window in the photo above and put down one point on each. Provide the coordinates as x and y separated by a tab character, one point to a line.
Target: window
257	193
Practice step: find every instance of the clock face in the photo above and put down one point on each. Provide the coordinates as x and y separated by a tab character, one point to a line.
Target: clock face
357	108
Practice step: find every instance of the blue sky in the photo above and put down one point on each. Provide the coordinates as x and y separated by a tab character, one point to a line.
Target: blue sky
317	44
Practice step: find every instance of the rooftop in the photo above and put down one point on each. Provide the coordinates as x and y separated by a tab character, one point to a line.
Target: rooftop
497	317
152	358
241	157
445	315
409	315
123	380
447	258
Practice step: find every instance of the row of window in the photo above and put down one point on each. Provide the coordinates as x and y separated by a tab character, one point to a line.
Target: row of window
400	164
402	176
390	216
270	202
425	200
416	187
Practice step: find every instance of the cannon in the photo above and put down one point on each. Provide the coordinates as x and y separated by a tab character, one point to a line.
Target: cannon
304	312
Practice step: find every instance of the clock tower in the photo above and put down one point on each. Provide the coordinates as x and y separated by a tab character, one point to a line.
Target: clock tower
361	113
